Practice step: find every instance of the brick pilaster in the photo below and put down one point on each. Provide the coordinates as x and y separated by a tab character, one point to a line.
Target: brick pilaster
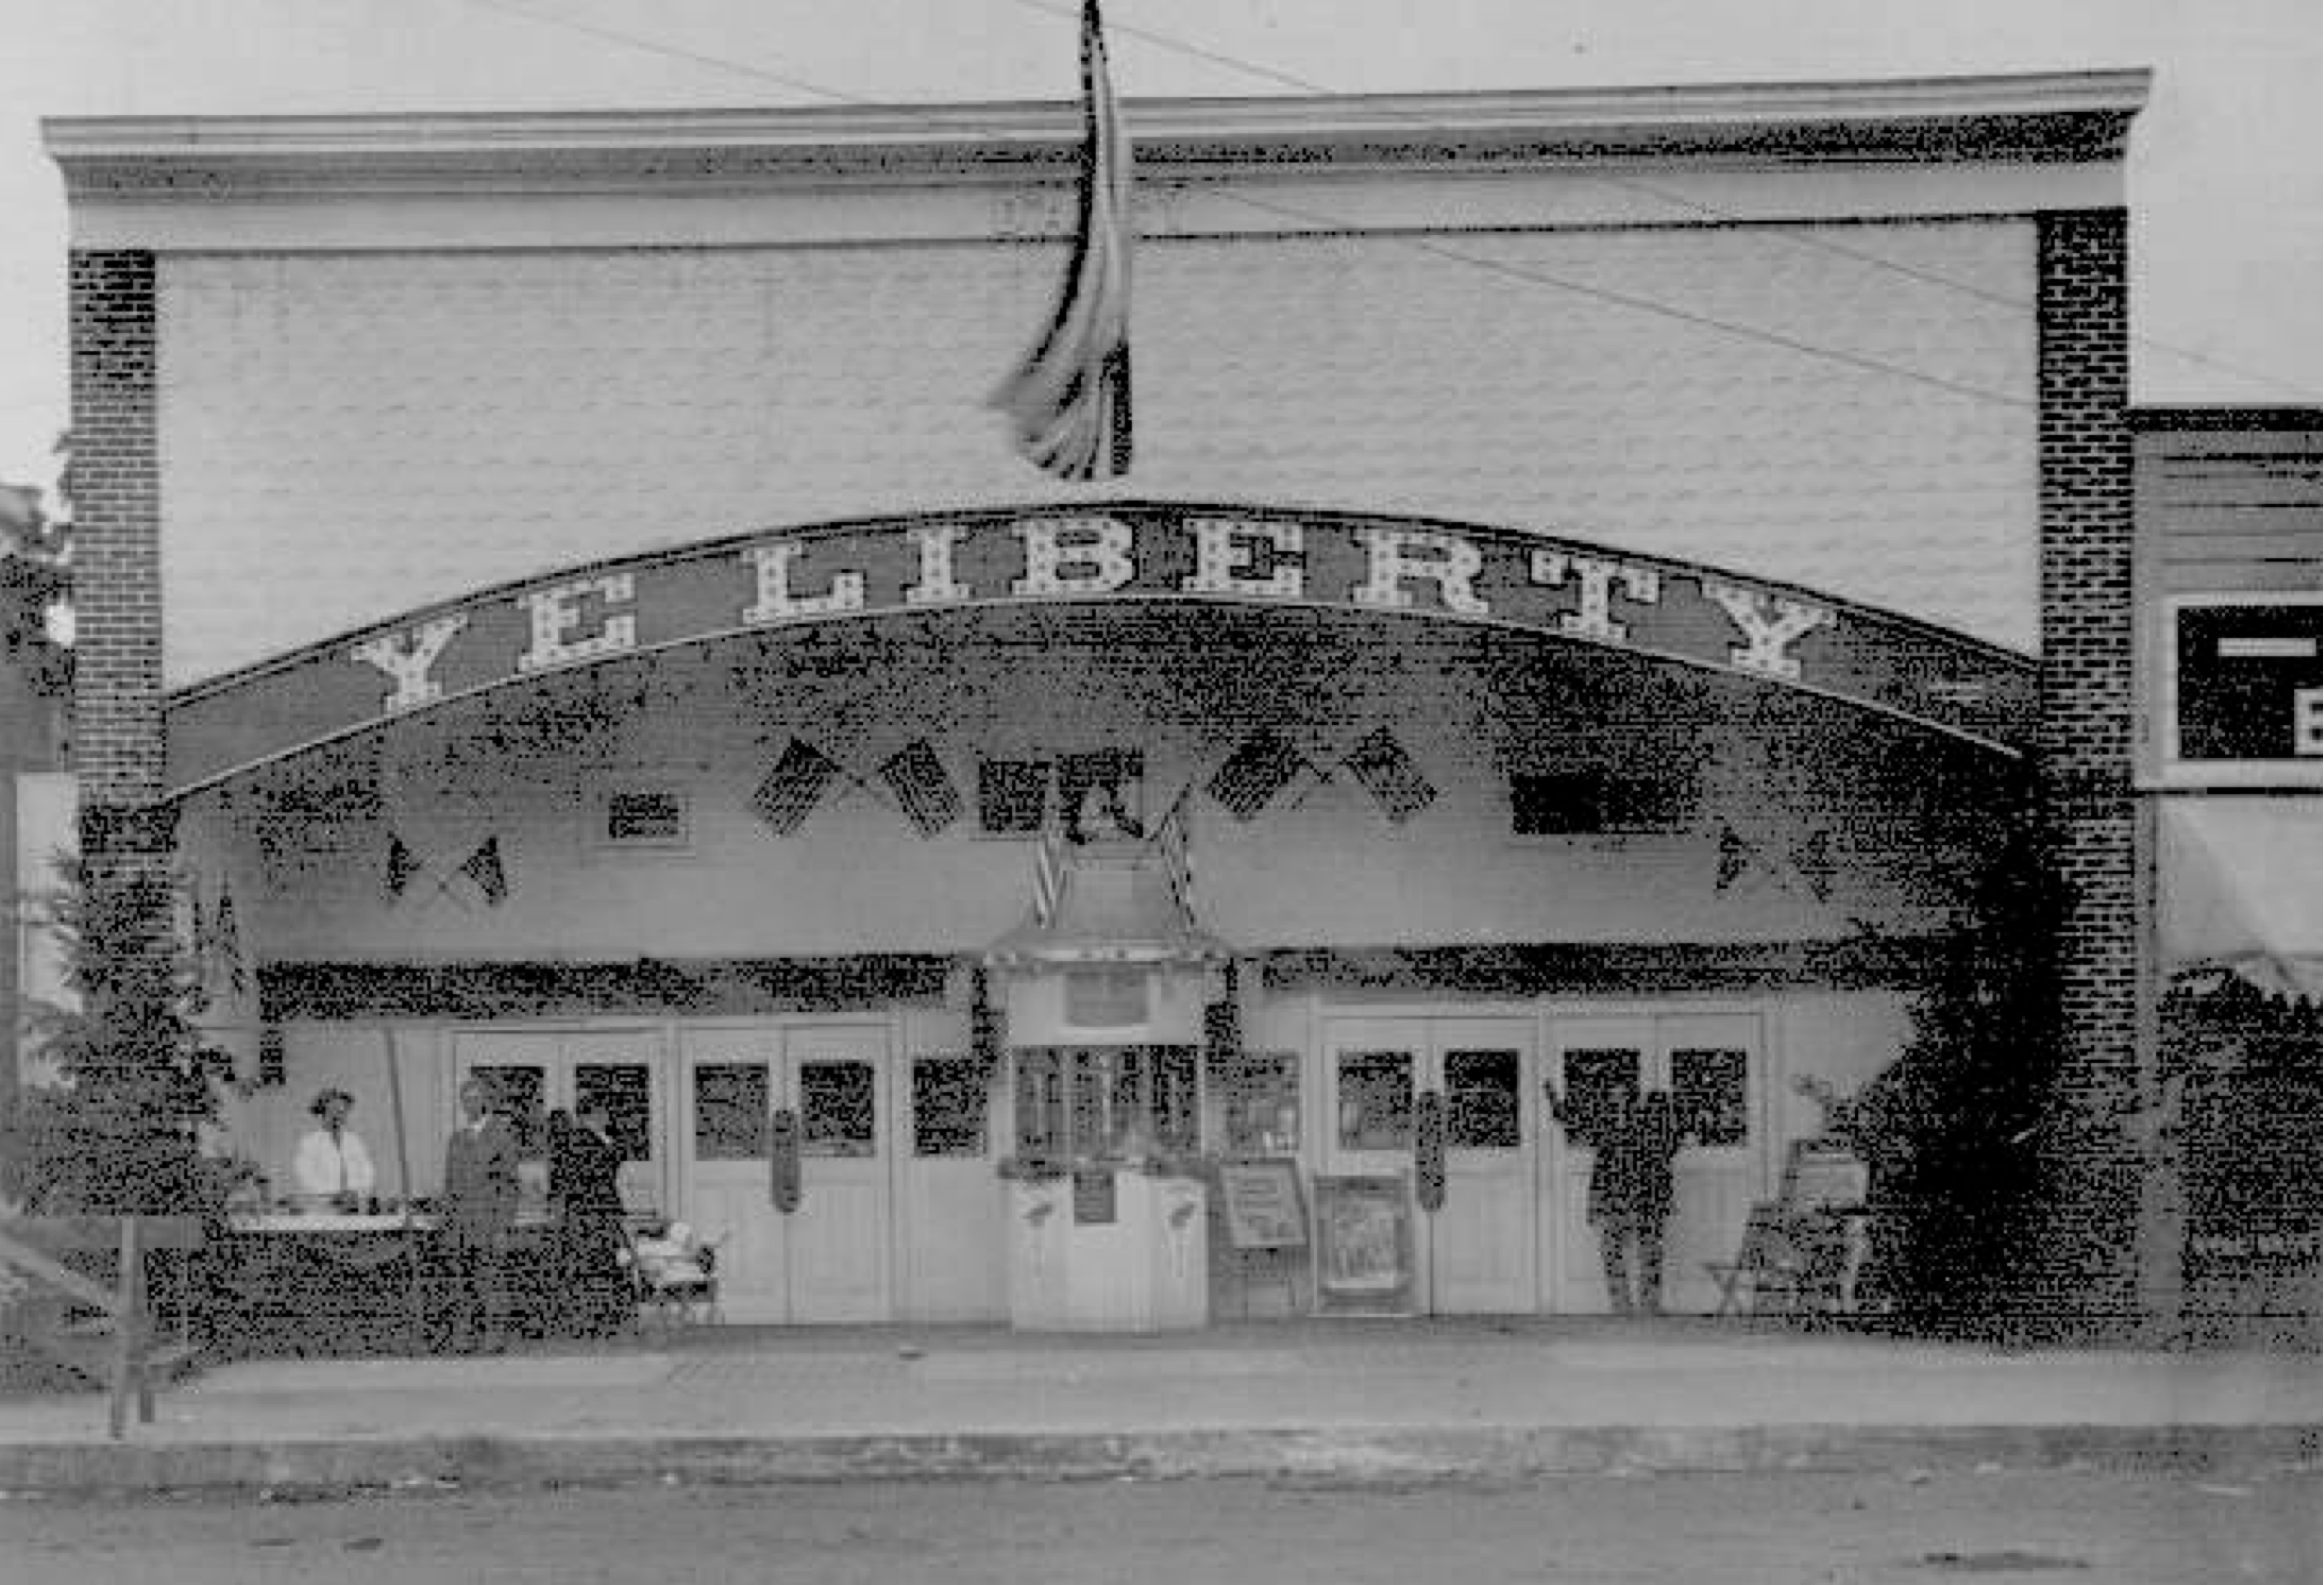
117	556
2083	758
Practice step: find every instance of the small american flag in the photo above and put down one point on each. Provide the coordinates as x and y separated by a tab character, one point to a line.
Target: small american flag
1049	872
1068	404
1177	854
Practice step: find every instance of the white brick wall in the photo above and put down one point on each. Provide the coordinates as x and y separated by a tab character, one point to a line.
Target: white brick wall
344	437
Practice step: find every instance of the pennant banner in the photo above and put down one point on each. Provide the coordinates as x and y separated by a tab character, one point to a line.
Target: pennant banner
791	790
1386	772
403	867
1068	404
484	868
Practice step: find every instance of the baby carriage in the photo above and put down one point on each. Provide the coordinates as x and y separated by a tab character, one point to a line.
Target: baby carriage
675	1274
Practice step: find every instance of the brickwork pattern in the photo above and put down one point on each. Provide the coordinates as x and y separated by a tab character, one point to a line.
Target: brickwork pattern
116	518
2084	761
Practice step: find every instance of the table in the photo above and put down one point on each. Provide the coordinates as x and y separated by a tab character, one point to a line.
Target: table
341	1282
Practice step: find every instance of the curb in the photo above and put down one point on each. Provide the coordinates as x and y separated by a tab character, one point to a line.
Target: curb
520	1461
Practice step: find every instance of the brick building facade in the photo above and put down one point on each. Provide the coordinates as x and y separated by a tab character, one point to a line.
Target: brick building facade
1804	504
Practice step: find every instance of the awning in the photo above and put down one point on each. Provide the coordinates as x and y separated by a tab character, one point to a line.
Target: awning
2241	888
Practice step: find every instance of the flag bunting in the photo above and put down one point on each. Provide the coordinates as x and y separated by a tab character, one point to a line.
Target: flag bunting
791	789
1380	765
922	786
1262	766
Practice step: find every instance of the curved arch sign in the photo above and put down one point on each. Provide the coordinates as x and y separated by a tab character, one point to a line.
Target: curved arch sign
1391	566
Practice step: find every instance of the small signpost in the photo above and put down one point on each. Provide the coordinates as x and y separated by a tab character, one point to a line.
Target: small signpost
1363	1245
1265	1221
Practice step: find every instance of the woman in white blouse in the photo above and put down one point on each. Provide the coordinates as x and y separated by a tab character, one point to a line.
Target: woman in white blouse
331	1161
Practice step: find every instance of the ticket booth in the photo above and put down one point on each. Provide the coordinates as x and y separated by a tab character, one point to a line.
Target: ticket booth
1103	1006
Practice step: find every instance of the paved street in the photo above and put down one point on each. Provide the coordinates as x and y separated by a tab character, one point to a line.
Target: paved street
1996	1523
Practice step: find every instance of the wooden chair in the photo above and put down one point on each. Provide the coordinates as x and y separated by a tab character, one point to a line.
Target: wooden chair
1765	1266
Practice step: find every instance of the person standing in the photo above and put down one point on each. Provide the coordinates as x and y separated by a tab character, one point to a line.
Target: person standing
1631	1187
480	1197
585	1172
331	1162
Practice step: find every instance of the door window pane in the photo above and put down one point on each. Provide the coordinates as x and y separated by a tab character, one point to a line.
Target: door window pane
1710	1086
1594	1077
730	1111
625	1089
1376	1099
1480	1101
948	1102
1040	1105
836	1115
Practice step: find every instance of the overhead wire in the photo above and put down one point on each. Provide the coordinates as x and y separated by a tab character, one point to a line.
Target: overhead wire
1334	224
1709	211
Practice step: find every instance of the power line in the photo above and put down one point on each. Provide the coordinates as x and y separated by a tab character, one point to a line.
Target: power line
1501	268
1664	195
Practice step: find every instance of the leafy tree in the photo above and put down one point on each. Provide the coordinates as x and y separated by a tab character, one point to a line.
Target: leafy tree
1954	1128
36	581
119	1131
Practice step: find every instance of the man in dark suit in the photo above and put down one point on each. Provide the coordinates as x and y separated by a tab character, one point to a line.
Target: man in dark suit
480	1195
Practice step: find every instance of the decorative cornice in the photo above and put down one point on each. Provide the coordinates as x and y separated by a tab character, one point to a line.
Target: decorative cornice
2073	116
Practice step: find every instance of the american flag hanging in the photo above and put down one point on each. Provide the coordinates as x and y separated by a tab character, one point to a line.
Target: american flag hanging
791	791
1068	404
1263	765
922	786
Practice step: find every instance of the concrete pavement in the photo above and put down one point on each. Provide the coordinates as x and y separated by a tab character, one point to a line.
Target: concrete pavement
1339	1399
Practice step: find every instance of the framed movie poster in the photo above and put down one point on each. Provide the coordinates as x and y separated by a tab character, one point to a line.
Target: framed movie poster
1263	1206
1363	1244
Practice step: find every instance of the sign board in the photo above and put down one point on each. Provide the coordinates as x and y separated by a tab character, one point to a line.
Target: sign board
1263	1206
789	580
1825	1178
1363	1244
2243	690
1093	1204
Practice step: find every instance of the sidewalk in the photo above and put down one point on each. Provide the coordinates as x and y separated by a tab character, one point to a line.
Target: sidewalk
1336	1399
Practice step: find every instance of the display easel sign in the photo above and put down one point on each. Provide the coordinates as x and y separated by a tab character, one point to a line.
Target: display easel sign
1363	1245
1263	1206
1825	1177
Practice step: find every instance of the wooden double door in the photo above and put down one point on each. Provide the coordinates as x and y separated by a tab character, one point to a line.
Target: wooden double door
1511	1235
788	1147
1475	1253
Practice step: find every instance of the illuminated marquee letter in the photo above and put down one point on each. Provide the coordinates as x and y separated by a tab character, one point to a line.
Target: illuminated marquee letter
1101	544
776	603
1642	586
557	612
1225	549
1398	554
1766	638
2308	723
408	658
935	586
